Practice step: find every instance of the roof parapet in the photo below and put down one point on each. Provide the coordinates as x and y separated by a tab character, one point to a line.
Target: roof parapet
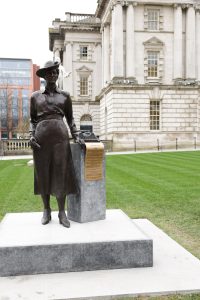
81	18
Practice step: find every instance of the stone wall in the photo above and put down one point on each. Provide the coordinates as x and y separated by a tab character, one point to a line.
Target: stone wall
87	108
125	116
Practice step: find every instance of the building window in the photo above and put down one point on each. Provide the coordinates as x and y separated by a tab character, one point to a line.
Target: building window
25	103
83	85
86	123
154	115
14	72
153	60
4	107
83	52
4	135
152	57
153	19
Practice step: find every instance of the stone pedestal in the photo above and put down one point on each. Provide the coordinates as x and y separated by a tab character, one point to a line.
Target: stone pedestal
27	247
90	204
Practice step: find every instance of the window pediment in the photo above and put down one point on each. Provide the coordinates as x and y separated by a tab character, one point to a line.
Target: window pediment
154	41
84	69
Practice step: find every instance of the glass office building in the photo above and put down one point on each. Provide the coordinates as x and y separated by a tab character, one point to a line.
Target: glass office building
17	82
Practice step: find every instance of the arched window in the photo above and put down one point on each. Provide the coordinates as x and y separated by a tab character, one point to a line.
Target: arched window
86	123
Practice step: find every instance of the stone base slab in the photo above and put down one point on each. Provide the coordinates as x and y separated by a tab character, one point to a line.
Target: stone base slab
174	271
27	247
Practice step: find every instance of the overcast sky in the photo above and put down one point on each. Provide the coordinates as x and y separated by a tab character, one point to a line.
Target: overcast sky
24	25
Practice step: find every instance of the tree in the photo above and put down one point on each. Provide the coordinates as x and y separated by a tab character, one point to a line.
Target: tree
5	107
22	129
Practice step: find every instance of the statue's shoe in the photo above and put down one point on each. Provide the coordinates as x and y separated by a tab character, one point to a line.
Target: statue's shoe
63	219
46	216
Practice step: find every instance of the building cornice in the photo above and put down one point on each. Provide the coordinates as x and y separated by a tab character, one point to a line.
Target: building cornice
54	34
101	7
146	87
59	32
165	2
80	28
81	102
103	4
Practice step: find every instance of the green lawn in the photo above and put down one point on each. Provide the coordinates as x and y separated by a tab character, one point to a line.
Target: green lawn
16	188
162	187
171	297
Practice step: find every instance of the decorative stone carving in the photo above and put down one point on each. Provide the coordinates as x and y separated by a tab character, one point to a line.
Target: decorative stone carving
186	82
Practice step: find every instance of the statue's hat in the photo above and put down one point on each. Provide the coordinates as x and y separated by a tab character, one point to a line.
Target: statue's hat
49	65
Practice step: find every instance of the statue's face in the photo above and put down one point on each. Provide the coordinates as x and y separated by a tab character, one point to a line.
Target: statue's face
51	76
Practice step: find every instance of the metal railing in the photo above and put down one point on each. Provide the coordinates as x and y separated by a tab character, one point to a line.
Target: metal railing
21	147
158	145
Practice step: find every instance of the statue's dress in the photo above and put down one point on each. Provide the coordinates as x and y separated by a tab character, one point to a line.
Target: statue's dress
53	166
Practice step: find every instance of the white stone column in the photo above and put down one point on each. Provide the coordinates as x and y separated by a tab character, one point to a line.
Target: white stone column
67	64
117	41
198	43
106	53
56	53
102	65
190	43
130	41
178	42
98	73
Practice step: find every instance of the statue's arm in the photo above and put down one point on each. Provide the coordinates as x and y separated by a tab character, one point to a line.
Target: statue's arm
70	118
33	115
33	123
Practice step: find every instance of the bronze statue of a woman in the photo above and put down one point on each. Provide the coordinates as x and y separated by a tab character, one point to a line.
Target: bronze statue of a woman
53	166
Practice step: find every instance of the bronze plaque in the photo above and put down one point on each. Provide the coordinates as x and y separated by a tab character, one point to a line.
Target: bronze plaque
94	161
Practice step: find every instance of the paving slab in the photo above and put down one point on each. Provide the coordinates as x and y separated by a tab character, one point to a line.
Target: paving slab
175	270
13	157
27	247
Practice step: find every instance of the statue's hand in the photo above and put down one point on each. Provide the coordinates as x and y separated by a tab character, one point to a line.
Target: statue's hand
34	144
75	137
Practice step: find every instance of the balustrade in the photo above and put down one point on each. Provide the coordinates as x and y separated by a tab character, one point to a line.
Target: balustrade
16	146
81	18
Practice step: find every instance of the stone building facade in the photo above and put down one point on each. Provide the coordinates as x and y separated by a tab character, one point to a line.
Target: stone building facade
145	70
77	42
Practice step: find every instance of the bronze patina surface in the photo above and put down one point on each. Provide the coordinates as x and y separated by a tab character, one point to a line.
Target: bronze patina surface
53	166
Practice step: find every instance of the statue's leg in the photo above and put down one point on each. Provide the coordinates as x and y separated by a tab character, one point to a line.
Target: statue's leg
62	215
47	210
